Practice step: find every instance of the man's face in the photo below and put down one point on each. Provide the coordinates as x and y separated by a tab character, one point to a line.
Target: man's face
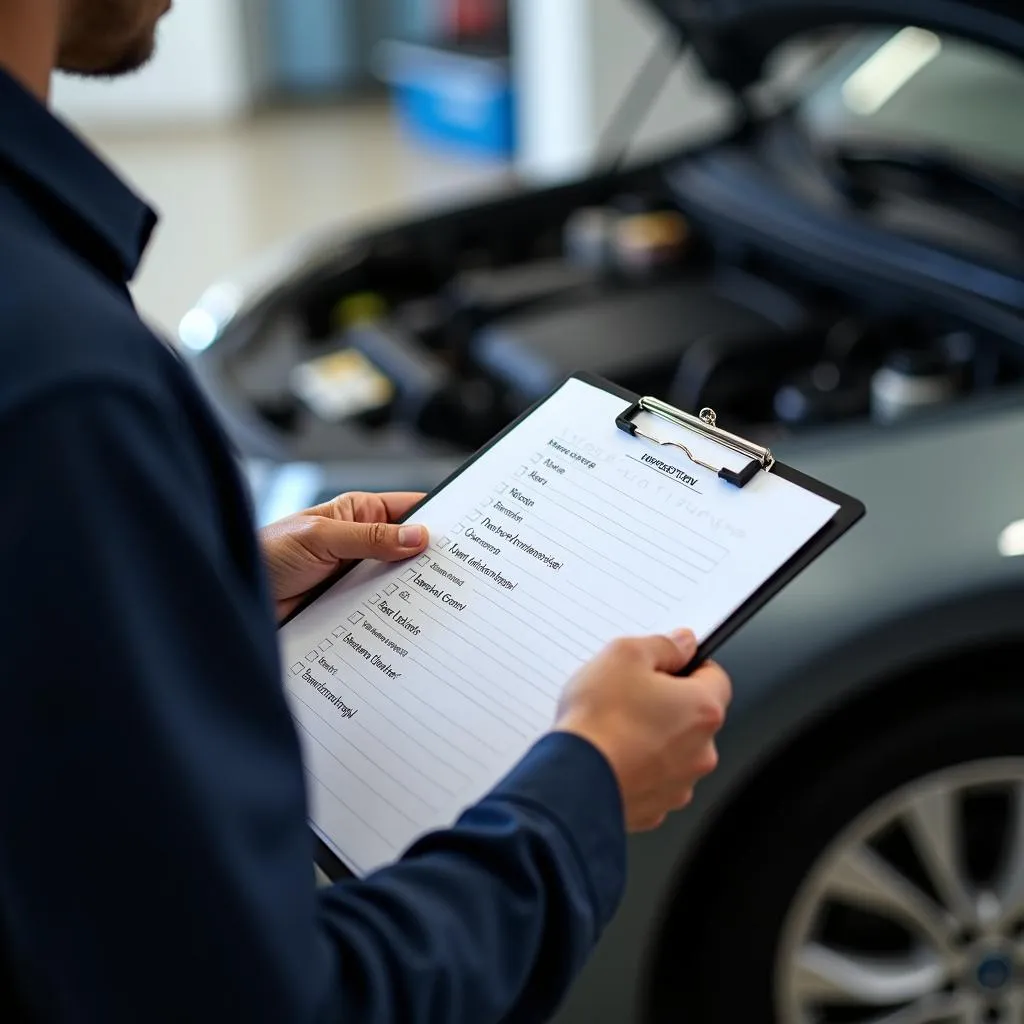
108	37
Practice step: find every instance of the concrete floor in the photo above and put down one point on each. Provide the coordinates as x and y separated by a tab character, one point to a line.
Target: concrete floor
227	194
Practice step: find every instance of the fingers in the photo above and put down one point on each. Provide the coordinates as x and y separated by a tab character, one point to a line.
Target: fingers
358	525
343	541
359	507
676	795
400	504
649	822
713	679
661	653
650	818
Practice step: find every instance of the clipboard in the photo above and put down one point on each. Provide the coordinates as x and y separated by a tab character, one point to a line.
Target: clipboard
759	460
850	512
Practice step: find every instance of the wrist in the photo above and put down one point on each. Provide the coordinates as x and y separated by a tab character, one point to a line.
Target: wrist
599	739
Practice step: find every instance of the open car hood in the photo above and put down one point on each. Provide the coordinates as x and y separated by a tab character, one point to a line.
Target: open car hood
733	38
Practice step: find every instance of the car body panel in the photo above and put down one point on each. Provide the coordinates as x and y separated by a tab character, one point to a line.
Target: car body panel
725	191
921	576
734	38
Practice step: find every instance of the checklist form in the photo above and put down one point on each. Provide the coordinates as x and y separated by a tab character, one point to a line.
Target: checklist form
416	687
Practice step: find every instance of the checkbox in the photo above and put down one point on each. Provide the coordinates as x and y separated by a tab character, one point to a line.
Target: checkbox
521	471
409	575
341	630
473	517
296	668
312	656
374	601
443	543
458	529
425	560
501	488
536	458
326	645
391	589
355	618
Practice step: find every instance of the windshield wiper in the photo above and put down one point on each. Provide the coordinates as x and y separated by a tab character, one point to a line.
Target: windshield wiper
862	167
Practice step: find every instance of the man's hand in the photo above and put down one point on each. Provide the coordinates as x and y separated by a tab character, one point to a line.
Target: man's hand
303	551
656	729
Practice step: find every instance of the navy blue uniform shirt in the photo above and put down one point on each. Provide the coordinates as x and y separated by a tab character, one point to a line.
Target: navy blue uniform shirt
155	862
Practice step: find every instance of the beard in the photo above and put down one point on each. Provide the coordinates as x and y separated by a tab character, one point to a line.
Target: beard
107	38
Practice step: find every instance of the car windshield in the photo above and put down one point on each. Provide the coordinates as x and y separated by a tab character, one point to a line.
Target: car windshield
912	88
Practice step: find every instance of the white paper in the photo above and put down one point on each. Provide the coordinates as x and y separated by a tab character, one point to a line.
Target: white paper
417	687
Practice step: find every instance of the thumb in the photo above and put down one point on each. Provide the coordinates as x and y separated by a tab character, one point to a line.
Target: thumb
686	644
676	651
380	541
668	654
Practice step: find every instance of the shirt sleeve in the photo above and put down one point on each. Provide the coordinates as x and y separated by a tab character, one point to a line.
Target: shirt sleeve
155	862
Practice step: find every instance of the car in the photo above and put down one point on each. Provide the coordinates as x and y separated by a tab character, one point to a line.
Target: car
837	269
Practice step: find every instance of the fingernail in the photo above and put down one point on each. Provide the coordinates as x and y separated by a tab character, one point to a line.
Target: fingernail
412	536
685	639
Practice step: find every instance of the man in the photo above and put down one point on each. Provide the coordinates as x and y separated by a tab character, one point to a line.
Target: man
155	863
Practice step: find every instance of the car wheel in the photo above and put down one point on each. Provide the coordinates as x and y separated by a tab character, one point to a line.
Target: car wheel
883	885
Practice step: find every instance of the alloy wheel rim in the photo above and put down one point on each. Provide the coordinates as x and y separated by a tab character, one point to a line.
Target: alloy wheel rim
914	914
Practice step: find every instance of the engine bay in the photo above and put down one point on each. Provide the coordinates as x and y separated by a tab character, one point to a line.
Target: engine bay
427	338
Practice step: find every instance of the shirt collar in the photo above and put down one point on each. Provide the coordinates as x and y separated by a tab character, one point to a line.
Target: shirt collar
69	186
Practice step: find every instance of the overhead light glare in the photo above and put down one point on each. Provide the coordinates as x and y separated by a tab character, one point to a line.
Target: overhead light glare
888	69
1011	540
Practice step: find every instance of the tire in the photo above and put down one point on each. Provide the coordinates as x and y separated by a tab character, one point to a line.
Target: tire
736	965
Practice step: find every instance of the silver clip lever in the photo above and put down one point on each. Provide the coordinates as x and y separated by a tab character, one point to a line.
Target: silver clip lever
705	425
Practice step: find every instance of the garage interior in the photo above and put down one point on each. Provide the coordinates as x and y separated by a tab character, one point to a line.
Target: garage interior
389	229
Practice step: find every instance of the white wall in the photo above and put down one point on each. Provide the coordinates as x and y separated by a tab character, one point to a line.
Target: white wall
574	62
201	73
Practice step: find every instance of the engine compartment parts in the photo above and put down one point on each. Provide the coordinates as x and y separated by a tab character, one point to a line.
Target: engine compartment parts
647	242
359	308
480	296
417	377
589	237
424	340
634	337
620	240
827	393
341	385
910	380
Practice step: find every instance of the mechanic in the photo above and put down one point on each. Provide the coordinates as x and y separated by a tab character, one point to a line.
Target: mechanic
155	859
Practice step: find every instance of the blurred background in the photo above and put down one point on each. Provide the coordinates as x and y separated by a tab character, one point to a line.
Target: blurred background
390	226
260	120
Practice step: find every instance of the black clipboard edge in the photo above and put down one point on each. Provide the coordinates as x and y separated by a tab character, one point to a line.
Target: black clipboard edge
851	511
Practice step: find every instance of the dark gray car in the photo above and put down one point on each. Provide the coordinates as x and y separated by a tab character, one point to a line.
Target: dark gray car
851	288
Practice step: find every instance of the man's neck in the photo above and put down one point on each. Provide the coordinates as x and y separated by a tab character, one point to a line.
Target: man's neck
28	42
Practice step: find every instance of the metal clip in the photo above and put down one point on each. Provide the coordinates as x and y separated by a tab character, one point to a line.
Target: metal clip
706	424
